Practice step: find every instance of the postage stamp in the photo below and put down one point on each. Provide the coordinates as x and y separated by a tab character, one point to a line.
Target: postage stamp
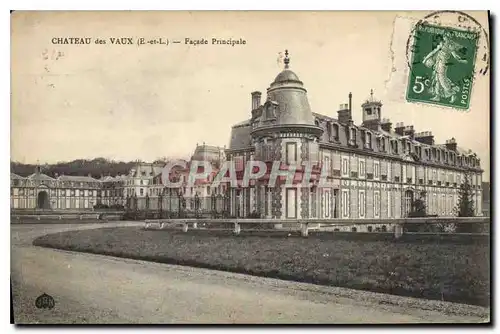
442	66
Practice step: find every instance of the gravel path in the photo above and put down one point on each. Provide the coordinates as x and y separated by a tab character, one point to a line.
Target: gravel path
99	289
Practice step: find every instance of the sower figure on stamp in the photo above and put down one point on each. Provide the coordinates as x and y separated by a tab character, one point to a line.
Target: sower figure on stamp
437	59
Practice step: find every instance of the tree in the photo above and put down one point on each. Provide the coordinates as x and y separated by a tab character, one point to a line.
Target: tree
418	208
465	205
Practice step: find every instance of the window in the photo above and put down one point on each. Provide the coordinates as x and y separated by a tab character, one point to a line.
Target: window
362	204
394	145
345	203
141	191
389	206
291	153
434	204
376	170
368	139
327	165
352	136
362	168
376	202
443	204
335	132
345	166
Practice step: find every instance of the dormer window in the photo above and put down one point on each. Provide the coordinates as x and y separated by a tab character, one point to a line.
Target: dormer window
329	130
408	147
368	139
382	144
335	131
394	145
352	136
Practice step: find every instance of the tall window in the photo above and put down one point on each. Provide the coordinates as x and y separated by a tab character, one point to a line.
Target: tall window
362	168
345	203
376	170
435	204
291	153
389	206
443	204
362	204
345	166
327	165
376	201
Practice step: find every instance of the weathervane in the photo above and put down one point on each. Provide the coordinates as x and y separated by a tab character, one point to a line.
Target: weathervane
287	60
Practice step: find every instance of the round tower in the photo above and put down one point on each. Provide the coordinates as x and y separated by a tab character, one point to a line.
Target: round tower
287	133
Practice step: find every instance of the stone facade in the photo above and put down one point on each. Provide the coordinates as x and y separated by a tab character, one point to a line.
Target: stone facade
373	169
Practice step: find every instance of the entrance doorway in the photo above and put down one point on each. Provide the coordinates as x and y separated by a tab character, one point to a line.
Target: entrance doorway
43	200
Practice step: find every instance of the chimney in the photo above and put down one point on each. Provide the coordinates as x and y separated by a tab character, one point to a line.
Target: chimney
386	125
409	131
451	144
399	129
350	102
256	100
344	113
425	137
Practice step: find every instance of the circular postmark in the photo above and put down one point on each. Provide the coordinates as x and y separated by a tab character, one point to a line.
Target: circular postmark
445	51
457	22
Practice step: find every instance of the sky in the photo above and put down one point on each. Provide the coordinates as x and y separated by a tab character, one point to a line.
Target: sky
128	102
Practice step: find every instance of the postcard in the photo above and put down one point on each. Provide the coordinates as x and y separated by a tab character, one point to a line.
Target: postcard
250	167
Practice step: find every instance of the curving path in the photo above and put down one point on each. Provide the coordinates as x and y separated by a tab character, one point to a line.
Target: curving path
99	289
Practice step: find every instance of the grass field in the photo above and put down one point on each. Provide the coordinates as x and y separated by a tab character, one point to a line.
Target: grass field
434	268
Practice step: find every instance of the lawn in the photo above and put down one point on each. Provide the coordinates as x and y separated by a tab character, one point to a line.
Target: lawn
449	270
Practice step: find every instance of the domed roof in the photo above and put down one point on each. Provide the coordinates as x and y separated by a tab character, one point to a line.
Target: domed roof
286	75
290	97
287	107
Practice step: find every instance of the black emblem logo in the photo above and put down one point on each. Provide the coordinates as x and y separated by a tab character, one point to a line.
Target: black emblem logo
45	301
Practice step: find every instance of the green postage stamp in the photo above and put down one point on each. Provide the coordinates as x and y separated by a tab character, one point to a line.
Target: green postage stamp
442	66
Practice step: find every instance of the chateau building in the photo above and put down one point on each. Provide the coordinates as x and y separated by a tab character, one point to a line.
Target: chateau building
62	193
374	170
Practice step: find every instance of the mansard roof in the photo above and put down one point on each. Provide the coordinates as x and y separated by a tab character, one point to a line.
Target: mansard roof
76	178
241	136
40	176
146	169
14	176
